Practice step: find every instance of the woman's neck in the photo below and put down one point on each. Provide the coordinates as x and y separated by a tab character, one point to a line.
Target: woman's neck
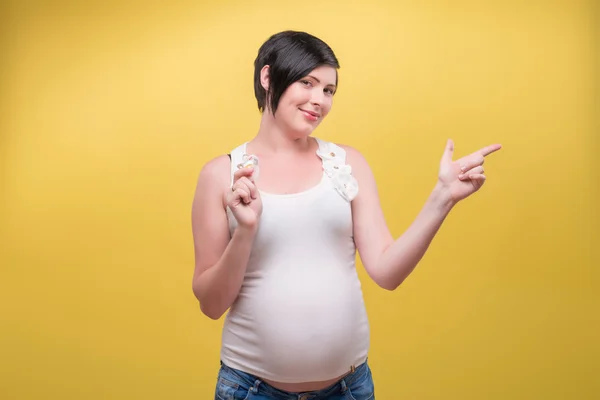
272	139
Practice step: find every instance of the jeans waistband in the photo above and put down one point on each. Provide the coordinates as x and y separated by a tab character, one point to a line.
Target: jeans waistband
256	383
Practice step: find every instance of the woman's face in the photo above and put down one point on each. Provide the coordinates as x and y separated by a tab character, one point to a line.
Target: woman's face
305	103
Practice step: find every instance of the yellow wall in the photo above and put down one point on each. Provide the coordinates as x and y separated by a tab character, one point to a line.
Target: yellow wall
108	112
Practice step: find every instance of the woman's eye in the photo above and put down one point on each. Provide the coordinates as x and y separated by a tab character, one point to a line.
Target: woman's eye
329	91
305	83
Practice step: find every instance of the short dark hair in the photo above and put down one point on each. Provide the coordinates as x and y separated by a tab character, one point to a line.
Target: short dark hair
290	56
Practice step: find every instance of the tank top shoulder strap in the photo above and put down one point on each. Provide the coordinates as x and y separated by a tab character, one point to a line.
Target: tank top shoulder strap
336	168
330	150
236	156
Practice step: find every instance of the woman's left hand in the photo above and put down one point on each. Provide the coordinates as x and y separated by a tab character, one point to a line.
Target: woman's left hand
463	177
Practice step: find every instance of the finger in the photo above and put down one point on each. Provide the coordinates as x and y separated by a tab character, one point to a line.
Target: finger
489	149
251	187
243	184
477	179
247	172
242	194
448	151
471	162
478	170
478	157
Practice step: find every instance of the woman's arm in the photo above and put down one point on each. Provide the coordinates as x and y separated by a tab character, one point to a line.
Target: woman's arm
220	259
390	261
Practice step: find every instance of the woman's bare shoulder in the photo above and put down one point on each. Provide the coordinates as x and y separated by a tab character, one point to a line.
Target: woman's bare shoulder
216	167
353	155
215	175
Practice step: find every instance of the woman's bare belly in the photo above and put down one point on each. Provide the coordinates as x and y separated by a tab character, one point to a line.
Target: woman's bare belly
304	386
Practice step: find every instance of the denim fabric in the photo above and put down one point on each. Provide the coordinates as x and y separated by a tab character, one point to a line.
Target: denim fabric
233	384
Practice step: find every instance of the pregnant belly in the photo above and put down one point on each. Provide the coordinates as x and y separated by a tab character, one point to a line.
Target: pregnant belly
294	328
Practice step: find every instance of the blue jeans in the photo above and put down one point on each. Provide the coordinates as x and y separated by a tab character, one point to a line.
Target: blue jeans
233	384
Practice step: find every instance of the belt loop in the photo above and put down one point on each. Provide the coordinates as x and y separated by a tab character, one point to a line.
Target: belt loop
255	387
344	387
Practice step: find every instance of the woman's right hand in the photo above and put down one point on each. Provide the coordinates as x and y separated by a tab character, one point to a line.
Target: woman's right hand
243	199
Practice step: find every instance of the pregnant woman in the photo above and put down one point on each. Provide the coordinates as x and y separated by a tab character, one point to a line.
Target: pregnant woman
277	222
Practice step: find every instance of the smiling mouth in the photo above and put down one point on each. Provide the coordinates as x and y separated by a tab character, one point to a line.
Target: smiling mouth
311	113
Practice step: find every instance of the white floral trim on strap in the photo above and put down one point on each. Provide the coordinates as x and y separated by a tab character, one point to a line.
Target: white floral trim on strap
339	172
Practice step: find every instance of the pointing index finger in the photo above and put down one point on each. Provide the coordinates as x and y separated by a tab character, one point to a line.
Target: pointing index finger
490	149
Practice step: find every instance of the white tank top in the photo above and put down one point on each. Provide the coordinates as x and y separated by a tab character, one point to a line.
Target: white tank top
300	314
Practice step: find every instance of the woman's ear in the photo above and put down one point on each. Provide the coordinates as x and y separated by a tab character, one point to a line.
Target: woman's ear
264	77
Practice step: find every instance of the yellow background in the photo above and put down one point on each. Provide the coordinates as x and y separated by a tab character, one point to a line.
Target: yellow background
108	111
